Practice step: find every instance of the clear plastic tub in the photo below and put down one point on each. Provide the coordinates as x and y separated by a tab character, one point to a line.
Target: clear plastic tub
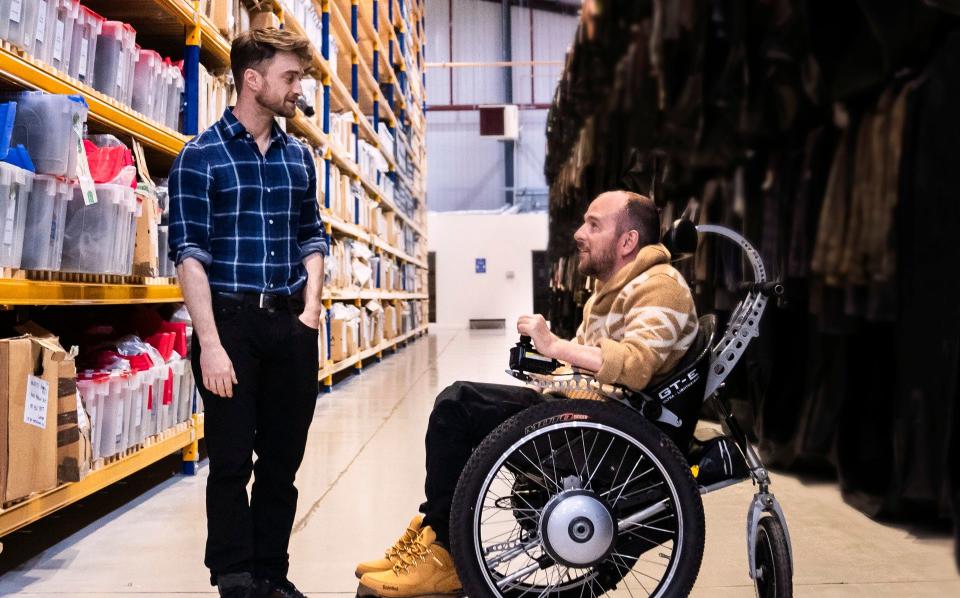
40	14
60	31
93	388
174	86
15	185
126	206
116	45
112	421
47	124
46	216
83	47
147	84
90	234
12	19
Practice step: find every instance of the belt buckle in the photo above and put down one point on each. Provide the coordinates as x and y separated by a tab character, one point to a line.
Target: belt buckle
262	300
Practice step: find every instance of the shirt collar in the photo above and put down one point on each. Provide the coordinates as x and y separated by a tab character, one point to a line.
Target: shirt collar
232	127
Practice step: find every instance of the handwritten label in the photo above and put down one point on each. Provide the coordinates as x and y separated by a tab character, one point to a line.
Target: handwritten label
35	408
15	10
9	220
83	167
58	41
84	52
41	20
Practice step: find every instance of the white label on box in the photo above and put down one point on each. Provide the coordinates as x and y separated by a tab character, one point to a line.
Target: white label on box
138	412
84	49
120	80
82	420
58	41
83	167
15	9
119	425
9	219
41	20
35	408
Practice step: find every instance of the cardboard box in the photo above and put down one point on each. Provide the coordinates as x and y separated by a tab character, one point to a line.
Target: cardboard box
29	369
221	12
74	451
390	323
146	256
342	341
264	20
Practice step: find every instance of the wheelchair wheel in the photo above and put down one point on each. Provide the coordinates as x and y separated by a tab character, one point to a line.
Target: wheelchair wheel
577	498
774	569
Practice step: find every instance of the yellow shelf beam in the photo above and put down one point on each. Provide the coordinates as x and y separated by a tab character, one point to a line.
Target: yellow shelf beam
40	506
26	72
41	292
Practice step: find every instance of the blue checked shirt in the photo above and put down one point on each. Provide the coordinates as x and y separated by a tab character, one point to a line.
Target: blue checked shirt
250	219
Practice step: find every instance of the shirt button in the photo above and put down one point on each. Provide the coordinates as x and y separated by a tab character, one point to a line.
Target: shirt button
271	221
270	285
272	253
269	189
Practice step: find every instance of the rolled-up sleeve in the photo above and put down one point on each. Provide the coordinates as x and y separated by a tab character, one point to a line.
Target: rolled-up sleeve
190	221
310	235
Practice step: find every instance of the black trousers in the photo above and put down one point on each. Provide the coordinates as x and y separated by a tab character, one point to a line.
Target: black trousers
463	415
276	360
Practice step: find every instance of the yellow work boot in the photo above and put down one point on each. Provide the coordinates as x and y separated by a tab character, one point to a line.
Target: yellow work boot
391	557
424	568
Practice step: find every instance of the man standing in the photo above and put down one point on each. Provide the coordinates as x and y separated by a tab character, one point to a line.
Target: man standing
246	237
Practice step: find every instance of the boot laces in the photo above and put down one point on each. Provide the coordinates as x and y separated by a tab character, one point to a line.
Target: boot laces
402	544
414	554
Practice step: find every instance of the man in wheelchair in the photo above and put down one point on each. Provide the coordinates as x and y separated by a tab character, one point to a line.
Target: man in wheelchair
636	328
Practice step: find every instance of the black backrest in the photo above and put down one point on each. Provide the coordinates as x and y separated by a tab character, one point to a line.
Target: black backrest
682	390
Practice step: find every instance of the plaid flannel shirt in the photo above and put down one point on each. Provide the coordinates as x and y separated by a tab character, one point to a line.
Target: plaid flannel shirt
250	219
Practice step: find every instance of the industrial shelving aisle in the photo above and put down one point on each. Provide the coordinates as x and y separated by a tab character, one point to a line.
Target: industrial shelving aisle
384	86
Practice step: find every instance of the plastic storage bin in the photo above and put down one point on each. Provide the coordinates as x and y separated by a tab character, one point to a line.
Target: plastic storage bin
63	15
94	388
112	409
46	124
12	19
15	185
147	84
174	86
115	60
90	234
83	47
46	216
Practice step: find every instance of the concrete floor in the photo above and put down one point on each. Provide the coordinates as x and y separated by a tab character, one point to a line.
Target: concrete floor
362	480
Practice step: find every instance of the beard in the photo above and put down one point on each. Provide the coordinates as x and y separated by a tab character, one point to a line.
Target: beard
597	264
277	105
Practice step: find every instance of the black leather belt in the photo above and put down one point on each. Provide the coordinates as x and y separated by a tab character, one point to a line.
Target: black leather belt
267	301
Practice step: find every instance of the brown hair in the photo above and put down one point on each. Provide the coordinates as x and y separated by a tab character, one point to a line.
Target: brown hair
251	48
641	214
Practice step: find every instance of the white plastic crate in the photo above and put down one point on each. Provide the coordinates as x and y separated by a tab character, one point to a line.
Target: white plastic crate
46	218
15	185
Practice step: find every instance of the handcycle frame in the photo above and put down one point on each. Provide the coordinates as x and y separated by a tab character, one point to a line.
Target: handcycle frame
742	327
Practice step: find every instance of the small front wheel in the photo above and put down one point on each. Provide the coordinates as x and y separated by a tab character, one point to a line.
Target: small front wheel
773	565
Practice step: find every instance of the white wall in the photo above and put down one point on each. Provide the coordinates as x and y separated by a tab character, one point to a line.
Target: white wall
507	243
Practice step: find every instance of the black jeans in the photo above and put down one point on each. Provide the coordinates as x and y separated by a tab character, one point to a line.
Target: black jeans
275	357
463	415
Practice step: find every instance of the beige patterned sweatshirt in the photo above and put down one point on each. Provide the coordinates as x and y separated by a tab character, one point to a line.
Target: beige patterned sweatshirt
643	319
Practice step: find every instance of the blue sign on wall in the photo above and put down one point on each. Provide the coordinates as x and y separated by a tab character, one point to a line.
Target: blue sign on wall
481	266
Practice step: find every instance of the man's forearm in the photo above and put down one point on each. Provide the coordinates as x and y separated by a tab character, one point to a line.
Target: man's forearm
196	294
577	355
313	294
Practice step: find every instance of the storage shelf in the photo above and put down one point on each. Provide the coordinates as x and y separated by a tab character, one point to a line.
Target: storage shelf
15	291
352	361
371	294
361	234
39	506
23	70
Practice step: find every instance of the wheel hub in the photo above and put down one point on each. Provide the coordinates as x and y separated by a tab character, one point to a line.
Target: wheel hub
577	528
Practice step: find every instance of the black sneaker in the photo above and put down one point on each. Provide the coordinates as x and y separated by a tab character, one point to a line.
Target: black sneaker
236	585
278	589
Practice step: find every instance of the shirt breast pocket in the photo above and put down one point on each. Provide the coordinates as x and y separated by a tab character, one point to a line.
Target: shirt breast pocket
299	179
